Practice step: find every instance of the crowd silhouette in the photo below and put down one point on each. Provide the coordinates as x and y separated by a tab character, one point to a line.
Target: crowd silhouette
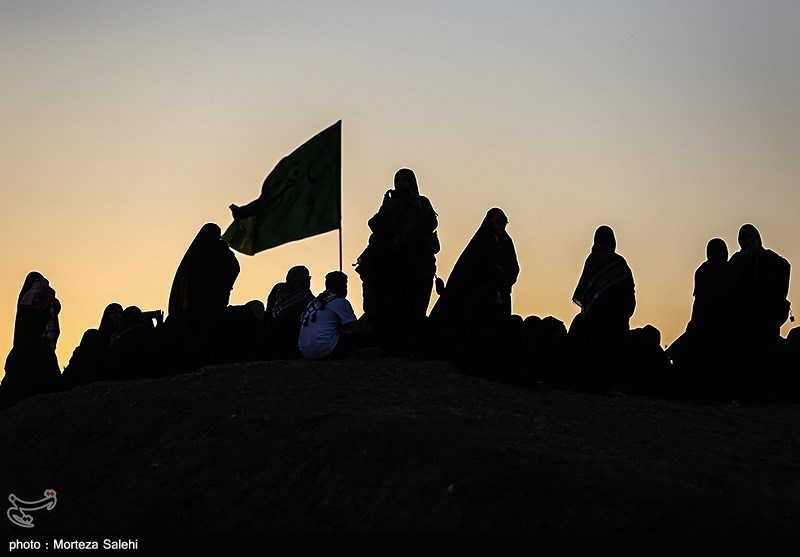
731	349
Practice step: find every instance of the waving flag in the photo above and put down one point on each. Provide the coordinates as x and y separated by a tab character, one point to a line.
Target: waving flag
301	197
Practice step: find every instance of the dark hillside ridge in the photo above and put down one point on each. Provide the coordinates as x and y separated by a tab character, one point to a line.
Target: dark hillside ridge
392	445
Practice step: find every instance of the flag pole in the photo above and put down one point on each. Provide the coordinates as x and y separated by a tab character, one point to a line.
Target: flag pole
340	200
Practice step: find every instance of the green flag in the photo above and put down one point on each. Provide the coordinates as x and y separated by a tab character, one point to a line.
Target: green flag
301	197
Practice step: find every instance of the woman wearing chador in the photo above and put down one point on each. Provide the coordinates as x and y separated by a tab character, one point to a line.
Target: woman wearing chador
399	264
32	366
479	288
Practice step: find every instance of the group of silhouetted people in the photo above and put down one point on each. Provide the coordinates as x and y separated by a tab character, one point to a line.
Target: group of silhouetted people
732	341
732	344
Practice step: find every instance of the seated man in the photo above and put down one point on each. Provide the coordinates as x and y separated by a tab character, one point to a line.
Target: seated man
329	328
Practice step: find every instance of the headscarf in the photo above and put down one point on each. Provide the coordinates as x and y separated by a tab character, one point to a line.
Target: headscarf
476	267
750	240
31	366
762	282
604	268
293	295
109	323
480	284
36	322
404	213
205	276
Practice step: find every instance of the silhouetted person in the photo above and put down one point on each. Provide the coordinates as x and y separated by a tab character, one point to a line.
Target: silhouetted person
329	328
478	290
205	277
606	295
258	309
32	366
285	305
645	366
762	288
713	293
90	360
134	348
399	264
545	350
793	339
200	293
471	321
761	307
605	291
704	350
793	349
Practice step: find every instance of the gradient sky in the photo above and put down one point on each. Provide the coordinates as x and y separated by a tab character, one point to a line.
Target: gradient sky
126	125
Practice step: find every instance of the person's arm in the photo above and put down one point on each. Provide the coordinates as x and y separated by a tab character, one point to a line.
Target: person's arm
429	220
378	223
357	326
347	317
783	278
511	265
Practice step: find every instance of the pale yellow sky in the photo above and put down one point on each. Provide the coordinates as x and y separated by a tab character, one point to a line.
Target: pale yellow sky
127	125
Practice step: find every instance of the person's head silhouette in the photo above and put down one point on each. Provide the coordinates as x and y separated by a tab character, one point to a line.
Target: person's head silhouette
749	238
299	276
717	250
604	237
406	182
336	281
498	220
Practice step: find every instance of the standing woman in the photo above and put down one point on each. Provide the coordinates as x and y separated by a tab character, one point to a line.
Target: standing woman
479	288
32	366
399	264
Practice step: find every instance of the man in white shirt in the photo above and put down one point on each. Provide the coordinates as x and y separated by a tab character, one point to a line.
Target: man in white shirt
328	324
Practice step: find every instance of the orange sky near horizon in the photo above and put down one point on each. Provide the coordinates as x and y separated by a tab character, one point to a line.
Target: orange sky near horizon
128	125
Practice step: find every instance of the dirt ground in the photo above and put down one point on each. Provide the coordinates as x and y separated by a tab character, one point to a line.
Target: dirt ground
392	445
